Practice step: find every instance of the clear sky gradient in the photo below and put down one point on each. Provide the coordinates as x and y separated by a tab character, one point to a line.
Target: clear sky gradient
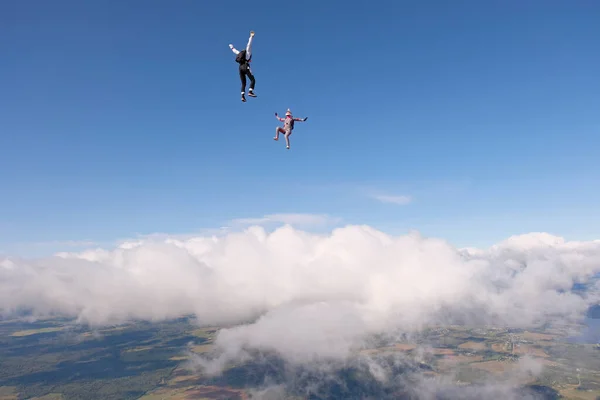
120	118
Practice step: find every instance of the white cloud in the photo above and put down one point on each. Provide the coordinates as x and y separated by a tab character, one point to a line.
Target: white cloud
399	200
67	243
304	220
308	296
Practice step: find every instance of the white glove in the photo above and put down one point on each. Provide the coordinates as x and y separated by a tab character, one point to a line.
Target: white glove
231	46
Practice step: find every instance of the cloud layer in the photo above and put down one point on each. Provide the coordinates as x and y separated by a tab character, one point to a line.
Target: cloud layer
400	200
309	297
370	278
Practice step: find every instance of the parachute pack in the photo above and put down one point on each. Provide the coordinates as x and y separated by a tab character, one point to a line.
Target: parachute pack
240	58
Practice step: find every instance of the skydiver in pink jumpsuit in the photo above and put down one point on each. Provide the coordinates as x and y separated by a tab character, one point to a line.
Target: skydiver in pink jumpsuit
288	126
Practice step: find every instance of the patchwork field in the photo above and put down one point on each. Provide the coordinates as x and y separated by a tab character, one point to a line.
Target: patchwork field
473	346
52	359
8	393
195	393
30	332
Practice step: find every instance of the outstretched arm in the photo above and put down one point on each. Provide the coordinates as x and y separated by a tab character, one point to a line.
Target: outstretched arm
249	47
280	119
301	119
235	51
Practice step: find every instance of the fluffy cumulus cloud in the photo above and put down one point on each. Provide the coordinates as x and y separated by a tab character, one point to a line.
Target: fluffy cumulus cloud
304	296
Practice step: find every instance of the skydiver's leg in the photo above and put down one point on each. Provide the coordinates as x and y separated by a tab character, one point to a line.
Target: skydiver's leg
287	138
243	79
277	131
252	82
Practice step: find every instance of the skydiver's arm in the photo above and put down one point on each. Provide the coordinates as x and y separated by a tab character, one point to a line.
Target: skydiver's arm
280	119
301	119
249	47
235	51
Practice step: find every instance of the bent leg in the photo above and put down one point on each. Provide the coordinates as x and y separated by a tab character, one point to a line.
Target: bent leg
277	131
252	82
287	138
252	79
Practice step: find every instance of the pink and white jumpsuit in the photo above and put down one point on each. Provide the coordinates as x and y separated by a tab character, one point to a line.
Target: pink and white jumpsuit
287	128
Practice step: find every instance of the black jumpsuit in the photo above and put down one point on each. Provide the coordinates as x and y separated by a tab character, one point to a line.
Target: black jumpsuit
245	70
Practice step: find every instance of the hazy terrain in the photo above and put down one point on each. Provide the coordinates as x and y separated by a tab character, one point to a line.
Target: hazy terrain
55	359
355	314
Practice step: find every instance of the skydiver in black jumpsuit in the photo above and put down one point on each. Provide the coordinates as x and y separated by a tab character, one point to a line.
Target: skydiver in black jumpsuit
243	58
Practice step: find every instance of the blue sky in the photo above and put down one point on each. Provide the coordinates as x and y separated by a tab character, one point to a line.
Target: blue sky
123	118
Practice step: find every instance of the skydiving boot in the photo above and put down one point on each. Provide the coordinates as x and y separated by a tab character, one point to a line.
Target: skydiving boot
243	97
251	93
